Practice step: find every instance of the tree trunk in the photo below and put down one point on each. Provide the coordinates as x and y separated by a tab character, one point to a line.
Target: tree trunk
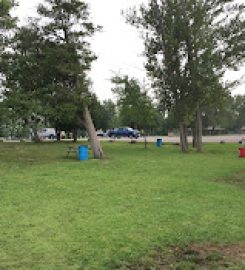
183	137
198	129
145	139
35	137
74	135
58	135
95	143
194	137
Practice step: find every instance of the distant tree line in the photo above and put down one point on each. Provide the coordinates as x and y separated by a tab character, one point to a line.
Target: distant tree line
228	117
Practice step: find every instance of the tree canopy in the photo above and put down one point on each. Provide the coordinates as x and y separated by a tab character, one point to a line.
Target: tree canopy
46	67
136	108
188	45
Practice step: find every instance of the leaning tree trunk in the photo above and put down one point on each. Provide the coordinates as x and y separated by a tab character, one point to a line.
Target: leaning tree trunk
198	130
95	143
183	137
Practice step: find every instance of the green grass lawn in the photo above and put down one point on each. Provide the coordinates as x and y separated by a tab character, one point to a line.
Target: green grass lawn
58	213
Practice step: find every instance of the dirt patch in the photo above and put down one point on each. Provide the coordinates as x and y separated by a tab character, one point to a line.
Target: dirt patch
236	252
237	179
210	257
194	257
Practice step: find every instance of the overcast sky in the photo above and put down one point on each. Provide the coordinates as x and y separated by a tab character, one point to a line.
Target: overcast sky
118	47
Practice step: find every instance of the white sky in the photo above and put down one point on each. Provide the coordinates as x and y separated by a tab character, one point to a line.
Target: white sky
119	47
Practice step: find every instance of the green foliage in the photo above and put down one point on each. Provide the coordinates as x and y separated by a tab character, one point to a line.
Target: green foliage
66	33
103	114
3	120
188	45
230	115
23	70
68	25
135	107
46	65
11	125
7	22
239	110
63	214
110	114
164	35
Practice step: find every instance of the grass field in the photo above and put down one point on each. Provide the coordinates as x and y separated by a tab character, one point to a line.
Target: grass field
58	213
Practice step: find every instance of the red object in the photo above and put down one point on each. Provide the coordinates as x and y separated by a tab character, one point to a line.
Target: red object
242	152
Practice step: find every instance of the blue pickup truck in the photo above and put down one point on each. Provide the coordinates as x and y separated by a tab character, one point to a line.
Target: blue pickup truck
124	132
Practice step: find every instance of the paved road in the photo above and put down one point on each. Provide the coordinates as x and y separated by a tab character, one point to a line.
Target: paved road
172	139
175	139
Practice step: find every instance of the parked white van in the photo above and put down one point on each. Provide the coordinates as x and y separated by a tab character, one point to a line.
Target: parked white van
47	133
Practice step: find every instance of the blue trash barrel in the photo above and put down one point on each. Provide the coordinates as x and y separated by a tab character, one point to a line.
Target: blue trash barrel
159	142
83	152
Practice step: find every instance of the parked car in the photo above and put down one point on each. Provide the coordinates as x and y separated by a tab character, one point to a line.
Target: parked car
100	133
47	133
124	132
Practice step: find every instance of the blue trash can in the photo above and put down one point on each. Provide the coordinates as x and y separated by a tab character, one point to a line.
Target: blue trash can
159	142
82	152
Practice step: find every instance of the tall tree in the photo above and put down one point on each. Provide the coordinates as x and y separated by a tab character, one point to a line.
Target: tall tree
7	25
214	39
166	66
188	45
23	72
66	32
